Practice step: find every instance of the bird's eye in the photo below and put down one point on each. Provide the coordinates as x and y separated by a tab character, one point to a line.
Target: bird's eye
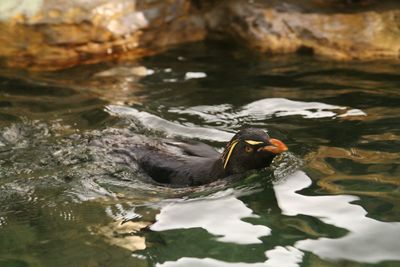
248	149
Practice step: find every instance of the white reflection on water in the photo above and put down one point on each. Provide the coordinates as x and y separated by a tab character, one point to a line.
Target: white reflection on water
170	128
368	240
195	75
3	221
265	108
278	257
219	216
226	114
285	107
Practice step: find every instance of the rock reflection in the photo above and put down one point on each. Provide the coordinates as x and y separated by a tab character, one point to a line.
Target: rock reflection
132	72
357	155
381	137
380	113
122	234
332	175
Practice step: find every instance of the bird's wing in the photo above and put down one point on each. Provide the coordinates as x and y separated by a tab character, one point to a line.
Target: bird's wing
197	149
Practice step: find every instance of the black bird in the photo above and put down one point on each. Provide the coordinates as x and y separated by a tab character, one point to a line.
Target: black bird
180	164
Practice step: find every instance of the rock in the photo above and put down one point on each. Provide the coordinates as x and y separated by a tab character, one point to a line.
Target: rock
56	34
337	29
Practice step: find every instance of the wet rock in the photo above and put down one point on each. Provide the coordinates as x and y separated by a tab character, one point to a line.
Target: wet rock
55	34
338	29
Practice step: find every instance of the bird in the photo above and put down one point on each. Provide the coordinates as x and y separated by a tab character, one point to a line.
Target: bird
181	164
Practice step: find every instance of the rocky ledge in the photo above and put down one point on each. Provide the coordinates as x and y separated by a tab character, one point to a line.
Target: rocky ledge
55	34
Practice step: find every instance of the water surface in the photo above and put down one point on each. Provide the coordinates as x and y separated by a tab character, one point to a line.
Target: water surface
67	199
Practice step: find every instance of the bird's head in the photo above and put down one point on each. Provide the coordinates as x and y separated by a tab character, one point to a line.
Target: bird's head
250	149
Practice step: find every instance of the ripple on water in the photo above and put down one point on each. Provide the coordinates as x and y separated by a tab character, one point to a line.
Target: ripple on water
63	191
340	211
263	109
172	129
226	222
336	210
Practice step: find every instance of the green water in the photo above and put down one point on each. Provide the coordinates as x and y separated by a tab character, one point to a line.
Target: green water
69	198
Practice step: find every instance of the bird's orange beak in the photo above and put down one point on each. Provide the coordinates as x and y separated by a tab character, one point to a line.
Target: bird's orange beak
276	147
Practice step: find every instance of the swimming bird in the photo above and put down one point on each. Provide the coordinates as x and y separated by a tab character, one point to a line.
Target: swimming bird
191	164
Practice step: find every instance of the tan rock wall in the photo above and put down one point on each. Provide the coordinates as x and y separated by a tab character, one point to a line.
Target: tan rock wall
55	34
67	33
283	29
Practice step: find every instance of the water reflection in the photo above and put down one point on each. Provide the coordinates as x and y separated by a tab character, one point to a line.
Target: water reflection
3	221
279	256
227	115
266	108
381	237
154	122
223	217
219	216
63	191
368	170
122	234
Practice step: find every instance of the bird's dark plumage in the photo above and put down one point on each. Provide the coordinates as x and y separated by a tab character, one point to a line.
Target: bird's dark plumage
181	164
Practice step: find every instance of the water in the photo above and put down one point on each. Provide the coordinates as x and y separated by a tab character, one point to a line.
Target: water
68	199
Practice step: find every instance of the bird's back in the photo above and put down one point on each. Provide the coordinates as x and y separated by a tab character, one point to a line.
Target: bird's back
178	163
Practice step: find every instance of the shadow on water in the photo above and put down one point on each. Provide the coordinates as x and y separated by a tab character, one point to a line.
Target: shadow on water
69	196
